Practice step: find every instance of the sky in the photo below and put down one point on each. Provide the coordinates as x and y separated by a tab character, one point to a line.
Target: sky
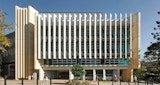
148	9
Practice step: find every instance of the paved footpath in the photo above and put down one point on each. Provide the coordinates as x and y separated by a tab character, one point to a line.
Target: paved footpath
62	82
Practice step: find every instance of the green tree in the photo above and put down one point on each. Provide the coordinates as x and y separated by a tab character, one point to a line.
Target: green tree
78	71
152	55
140	72
0	65
4	41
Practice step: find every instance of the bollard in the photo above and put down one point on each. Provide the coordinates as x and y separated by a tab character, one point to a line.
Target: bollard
5	81
50	81
112	82
98	82
97	79
22	80
152	82
120	82
5	78
37	81
146	82
138	82
128	83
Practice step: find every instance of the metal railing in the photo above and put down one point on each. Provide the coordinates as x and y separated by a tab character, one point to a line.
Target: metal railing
51	82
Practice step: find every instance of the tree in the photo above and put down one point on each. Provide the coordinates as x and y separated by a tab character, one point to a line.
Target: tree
4	41
0	65
152	55
140	72
78	70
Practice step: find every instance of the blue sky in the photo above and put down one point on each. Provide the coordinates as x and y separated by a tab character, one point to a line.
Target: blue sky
148	9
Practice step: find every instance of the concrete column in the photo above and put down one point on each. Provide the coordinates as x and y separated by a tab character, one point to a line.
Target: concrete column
70	16
41	74
127	75
75	55
90	39
94	74
118	74
115	33
126	35
80	16
64	36
84	76
71	76
104	74
29	77
59	36
110	36
100	36
44	36
85	38
130	27
49	36
120	35
105	37
39	37
54	36
95	39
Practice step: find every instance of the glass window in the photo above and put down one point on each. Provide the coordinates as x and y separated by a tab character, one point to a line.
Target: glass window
56	32
62	33
128	33
47	31
51	46
47	46
52	31
56	46
102	46
61	46
77	32
67	31
72	32
102	33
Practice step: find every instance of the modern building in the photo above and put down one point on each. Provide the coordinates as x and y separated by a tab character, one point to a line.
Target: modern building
8	58
51	43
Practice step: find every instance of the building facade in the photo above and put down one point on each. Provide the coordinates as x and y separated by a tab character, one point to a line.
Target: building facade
51	43
8	58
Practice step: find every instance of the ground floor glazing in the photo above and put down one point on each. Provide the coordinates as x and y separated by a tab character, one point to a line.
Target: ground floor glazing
91	74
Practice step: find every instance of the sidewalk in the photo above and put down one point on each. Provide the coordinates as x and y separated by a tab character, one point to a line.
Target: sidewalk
62	82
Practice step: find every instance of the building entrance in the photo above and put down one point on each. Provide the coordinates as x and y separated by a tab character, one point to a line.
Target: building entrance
63	75
58	74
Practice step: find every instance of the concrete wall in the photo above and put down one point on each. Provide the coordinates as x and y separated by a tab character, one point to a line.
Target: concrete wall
24	41
134	61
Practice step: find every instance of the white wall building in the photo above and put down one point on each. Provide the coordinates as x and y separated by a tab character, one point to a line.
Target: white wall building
51	43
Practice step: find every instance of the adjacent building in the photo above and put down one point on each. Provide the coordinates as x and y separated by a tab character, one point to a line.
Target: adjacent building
8	58
51	43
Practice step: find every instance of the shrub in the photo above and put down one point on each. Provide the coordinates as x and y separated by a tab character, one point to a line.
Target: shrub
76	82
85	83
